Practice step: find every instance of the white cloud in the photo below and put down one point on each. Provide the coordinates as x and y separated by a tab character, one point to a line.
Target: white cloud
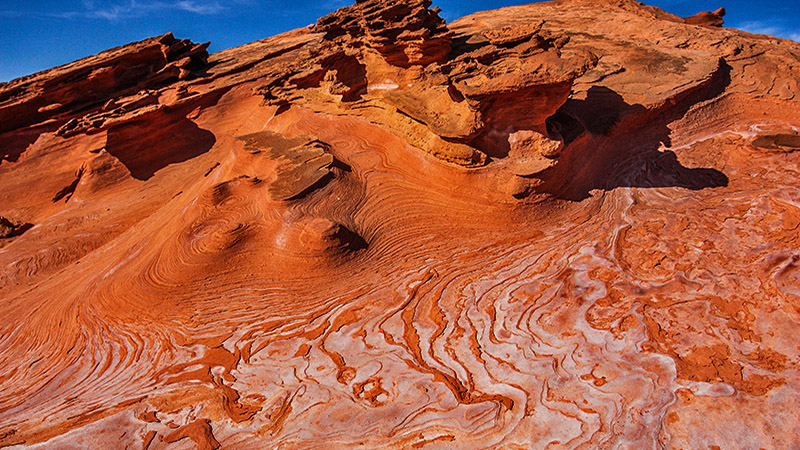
194	7
113	11
759	27
775	27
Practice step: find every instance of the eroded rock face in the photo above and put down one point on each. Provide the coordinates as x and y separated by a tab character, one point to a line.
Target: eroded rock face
405	32
102	79
394	61
565	224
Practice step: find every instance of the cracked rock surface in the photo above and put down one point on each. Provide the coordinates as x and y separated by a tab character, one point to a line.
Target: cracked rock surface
570	224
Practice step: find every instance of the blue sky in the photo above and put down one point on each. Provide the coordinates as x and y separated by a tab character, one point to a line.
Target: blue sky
39	34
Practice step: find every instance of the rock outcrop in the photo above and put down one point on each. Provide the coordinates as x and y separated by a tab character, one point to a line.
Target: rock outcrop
396	64
107	79
404	32
570	224
709	19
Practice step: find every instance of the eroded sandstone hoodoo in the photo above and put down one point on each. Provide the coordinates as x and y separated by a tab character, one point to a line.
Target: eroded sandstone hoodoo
570	224
406	33
394	61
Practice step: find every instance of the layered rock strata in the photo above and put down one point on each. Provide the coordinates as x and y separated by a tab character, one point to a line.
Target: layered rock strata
570	224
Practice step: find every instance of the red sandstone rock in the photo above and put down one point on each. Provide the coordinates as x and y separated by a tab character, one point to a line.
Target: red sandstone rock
709	19
108	77
570	224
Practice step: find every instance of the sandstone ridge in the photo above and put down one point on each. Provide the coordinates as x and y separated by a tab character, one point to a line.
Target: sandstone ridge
570	224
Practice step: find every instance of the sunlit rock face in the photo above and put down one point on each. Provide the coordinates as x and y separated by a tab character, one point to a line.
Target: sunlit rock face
571	224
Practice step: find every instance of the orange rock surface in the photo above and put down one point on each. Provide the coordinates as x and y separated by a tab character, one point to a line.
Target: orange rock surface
571	224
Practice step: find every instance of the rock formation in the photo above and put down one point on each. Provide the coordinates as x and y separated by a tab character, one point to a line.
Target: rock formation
570	224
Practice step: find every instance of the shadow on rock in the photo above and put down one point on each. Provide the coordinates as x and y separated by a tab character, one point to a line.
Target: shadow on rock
145	147
611	144
12	146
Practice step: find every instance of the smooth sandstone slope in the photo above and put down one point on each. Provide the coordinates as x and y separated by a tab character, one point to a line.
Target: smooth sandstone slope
571	224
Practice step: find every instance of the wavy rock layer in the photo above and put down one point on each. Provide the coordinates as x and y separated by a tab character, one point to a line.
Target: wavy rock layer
571	224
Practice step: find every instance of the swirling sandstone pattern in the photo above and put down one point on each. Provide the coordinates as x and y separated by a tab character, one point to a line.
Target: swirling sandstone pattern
523	229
